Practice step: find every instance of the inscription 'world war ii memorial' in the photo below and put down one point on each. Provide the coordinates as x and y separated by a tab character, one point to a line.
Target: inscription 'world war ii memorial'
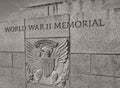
61	44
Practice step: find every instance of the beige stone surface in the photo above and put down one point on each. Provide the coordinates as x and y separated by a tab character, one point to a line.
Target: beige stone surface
28	13
63	8
79	81
19	60
45	86
89	81
42	2
11	41
80	63
101	39
5	77
101	82
34	12
5	59
12	78
105	65
50	32
18	78
117	82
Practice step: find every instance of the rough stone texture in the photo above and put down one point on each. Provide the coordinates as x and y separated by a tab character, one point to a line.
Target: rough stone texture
18	78
12	78
117	82
80	63
105	65
35	12
79	81
44	32
42	2
104	39
87	81
44	86
41	9
101	82
19	60
29	13
63	8
105	70
11	41
5	59
5	77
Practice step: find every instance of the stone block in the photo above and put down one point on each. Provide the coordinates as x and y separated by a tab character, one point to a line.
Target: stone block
117	83
18	78
41	2
89	81
5	77
19	60
101	82
51	10
63	8
45	86
5	59
79	81
54	26
12	36
102	38
80	63
105	65
34	12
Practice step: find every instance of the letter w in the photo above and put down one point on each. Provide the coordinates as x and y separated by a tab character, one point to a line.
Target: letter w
7	29
31	27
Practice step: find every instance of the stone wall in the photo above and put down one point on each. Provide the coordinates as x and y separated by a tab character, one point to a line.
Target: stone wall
94	50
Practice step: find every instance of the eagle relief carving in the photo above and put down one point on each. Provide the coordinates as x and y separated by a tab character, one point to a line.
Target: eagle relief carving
48	62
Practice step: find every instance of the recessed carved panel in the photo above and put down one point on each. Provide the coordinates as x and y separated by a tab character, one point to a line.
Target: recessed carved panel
47	61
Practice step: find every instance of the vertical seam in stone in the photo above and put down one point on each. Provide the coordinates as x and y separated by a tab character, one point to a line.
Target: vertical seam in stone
81	4
90	63
25	53
54	9
69	53
12	58
103	2
108	13
12	73
48	10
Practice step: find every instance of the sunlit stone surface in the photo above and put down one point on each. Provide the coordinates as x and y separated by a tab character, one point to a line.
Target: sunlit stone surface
61	44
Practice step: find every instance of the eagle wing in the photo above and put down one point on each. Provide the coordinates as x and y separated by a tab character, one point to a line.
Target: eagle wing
32	63
60	53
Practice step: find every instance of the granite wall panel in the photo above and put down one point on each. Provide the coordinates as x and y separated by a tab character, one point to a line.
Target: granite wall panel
5	77
97	39
19	60
54	26
94	42
92	81
5	59
101	82
80	63
18	78
79	81
105	65
12	36
29	13
117	82
34	12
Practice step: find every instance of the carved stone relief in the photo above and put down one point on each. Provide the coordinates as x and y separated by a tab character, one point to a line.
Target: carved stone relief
47	62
